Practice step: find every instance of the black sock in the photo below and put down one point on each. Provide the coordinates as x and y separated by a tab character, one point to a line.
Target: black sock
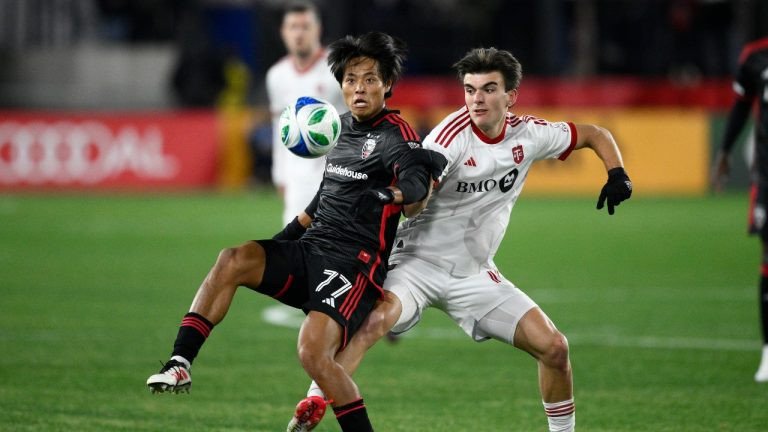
764	304
353	417
192	334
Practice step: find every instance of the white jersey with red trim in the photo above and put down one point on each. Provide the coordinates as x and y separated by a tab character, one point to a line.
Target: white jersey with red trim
467	216
285	82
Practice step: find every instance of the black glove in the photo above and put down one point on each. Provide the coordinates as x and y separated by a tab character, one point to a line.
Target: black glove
371	199
434	161
617	189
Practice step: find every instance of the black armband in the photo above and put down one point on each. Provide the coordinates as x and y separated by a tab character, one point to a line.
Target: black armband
293	231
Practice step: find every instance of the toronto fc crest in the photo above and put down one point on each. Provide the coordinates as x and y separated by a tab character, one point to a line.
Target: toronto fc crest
517	153
369	145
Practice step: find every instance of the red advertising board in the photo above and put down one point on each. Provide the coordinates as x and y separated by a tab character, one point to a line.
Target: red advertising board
42	150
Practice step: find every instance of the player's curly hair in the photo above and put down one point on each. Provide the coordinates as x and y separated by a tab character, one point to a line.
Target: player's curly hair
388	51
485	60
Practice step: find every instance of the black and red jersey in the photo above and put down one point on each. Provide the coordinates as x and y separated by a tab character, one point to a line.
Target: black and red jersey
751	84
366	156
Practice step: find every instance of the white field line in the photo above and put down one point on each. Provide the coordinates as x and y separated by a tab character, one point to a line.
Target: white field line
285	316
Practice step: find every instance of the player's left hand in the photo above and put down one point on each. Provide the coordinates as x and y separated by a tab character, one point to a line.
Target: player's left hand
617	189
371	199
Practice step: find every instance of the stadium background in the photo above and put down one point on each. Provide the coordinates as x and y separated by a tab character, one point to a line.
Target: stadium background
134	145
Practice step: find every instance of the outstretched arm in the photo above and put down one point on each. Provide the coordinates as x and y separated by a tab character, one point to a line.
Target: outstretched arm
601	142
618	187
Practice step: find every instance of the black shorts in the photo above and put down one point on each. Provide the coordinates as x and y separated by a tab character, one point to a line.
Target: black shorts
758	203
299	275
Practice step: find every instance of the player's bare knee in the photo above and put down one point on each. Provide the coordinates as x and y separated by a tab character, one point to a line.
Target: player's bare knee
226	264
233	262
556	354
314	361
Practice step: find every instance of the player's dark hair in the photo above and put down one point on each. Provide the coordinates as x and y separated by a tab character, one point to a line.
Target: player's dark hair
388	51
301	6
485	60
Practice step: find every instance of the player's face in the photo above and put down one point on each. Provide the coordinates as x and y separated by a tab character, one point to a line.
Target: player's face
301	33
363	88
487	101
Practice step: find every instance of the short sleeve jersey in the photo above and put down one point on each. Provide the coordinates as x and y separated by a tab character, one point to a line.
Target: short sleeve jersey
286	82
366	156
467	215
751	84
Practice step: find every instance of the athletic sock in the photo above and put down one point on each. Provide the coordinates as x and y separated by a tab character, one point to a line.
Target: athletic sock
353	417
762	370
193	332
314	390
561	415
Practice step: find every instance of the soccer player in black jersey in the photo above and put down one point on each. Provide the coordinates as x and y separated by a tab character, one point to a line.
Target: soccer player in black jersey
331	260
751	85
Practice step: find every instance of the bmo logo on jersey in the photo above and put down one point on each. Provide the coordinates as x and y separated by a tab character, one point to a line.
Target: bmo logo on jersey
505	184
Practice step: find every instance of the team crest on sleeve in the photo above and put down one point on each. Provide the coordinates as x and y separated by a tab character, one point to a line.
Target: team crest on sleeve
517	153
369	145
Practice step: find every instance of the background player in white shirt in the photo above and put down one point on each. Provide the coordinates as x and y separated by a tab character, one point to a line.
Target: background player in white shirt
303	72
444	257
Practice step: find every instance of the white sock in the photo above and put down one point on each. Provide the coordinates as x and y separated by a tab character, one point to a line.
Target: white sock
181	359
762	371
314	390
561	415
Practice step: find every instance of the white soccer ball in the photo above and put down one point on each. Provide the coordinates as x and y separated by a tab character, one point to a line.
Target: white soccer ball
309	127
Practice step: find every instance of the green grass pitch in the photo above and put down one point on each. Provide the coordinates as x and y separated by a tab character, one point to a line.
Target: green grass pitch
659	303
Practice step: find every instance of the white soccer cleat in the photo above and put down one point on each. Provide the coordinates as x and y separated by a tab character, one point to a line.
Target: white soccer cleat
309	412
173	377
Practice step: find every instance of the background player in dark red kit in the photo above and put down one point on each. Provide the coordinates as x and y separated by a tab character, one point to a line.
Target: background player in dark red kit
333	269
751	87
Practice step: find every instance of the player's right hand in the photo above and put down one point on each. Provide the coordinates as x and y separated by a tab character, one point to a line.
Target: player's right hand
617	189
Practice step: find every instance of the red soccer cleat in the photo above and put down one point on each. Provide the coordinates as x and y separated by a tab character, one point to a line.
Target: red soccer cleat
309	412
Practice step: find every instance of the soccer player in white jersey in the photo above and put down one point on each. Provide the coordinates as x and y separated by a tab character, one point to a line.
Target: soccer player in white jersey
303	71
444	257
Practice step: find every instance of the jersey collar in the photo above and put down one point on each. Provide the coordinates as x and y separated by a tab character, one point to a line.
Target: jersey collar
484	138
373	121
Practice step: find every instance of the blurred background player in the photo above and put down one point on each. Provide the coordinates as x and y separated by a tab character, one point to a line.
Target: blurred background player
443	258
750	84
303	71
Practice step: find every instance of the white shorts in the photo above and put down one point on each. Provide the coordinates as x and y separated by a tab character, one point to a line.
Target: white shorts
469	301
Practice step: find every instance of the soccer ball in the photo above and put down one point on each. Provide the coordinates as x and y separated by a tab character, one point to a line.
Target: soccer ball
309	127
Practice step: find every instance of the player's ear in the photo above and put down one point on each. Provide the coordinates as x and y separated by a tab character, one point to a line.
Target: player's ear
512	98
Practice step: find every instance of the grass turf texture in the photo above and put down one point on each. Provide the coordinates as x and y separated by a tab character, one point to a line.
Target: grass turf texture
658	301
